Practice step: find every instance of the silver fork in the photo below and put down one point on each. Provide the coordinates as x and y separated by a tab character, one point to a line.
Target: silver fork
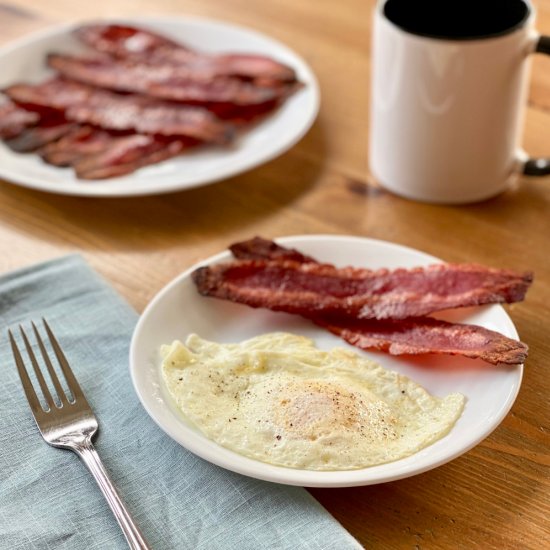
70	423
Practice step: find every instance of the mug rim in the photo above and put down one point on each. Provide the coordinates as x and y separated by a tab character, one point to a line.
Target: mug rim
529	16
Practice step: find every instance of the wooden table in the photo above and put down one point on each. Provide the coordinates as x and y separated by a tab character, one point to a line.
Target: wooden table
496	495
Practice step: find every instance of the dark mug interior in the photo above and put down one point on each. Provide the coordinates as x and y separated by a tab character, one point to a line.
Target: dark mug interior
457	19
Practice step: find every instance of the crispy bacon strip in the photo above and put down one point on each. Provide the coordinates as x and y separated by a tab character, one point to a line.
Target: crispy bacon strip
38	136
97	154
184	84
259	248
88	105
418	335
398	337
125	155
128	42
13	120
82	141
310	289
123	41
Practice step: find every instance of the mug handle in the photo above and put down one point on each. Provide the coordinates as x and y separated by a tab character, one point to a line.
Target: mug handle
540	166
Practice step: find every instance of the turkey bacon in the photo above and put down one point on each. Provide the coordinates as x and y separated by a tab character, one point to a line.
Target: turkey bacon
97	154
416	335
124	41
13	120
125	155
174	83
310	288
423	335
133	43
259	248
111	111
80	142
32	139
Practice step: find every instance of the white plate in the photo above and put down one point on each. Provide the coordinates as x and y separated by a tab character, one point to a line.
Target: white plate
179	310
24	60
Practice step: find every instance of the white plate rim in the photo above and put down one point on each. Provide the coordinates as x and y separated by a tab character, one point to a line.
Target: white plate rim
108	188
267	472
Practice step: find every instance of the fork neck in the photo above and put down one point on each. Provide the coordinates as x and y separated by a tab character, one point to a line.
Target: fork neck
86	451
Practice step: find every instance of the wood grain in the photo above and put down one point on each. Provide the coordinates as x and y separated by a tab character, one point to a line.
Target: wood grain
495	496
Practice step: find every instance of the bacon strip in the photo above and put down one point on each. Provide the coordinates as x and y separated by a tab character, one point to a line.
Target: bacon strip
125	155
420	335
123	41
129	42
259	248
359	293
82	141
184	84
38	136
97	154
85	104
13	120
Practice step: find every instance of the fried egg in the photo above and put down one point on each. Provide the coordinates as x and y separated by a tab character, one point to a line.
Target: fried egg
279	399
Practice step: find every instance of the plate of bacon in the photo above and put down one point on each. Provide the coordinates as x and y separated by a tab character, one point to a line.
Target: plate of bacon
439	324
148	105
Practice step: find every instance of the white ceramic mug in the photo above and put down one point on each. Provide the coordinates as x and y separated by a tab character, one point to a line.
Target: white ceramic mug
449	84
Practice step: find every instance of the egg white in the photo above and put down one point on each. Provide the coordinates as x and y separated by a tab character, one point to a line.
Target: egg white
278	399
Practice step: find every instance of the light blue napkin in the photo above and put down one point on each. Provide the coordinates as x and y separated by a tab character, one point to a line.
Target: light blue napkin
47	497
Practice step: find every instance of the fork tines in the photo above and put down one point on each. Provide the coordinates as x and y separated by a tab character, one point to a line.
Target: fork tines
62	398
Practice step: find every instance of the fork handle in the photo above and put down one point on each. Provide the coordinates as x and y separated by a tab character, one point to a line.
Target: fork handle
86	451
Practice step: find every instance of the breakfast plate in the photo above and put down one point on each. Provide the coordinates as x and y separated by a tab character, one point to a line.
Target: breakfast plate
24	61
179	310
